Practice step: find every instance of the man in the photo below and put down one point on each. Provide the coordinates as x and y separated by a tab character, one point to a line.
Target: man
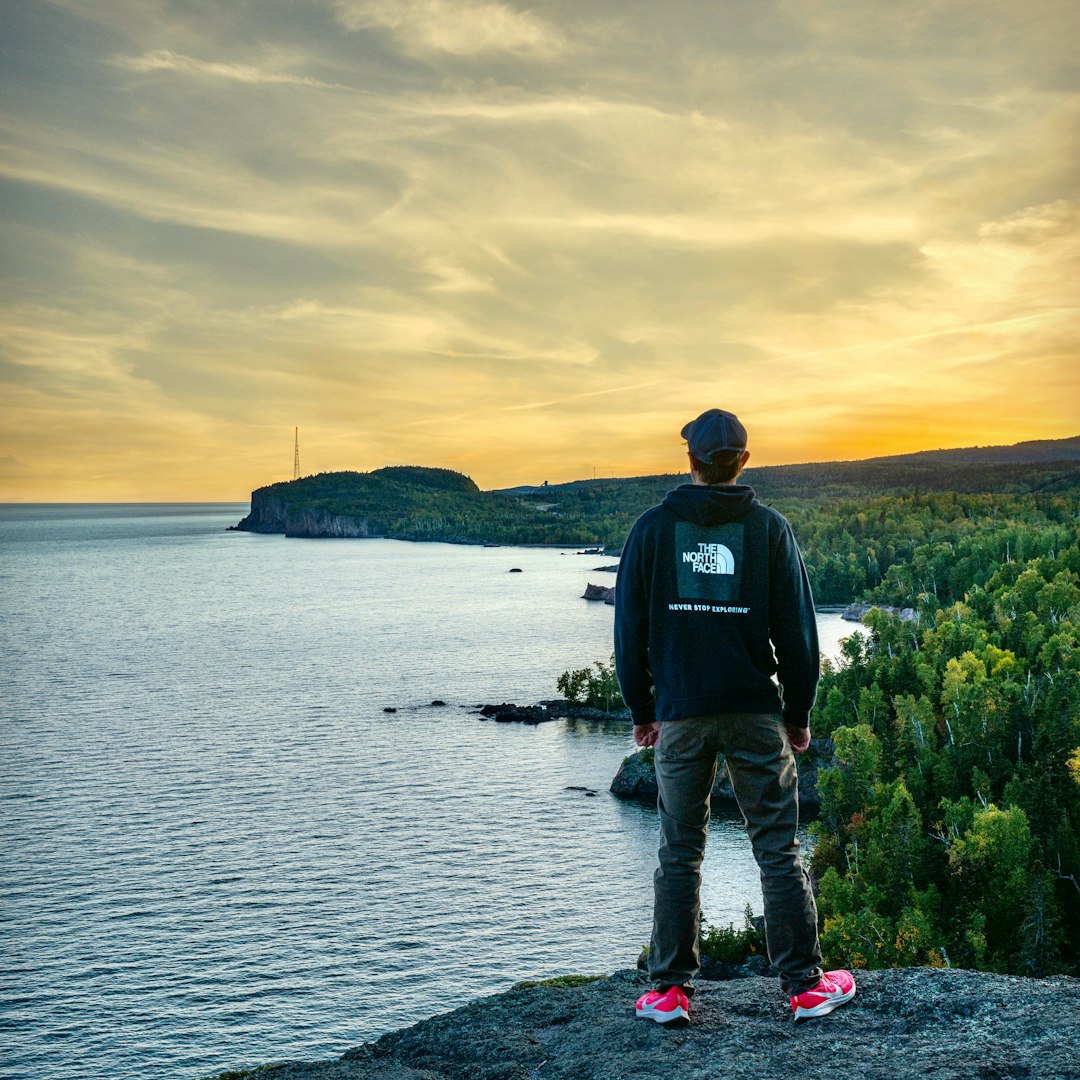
712	600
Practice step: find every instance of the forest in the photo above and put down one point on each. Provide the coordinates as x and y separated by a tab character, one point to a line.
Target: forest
948	829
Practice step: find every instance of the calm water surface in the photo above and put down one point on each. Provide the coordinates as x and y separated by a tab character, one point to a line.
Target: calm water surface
219	850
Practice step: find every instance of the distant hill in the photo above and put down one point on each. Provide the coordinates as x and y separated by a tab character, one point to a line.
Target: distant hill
418	503
1033	450
1043	465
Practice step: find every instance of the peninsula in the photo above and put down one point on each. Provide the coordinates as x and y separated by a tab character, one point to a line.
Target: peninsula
408	502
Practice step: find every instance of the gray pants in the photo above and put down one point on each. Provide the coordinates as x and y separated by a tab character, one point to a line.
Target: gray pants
762	768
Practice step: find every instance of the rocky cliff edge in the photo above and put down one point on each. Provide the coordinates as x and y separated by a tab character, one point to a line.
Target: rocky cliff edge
902	1024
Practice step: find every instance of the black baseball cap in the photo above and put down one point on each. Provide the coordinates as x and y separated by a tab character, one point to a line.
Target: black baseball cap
715	431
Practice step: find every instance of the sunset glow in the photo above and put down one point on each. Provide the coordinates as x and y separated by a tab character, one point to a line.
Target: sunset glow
526	242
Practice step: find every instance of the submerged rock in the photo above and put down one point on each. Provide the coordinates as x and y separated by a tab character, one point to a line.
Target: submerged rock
903	1024
550	709
509	713
599	592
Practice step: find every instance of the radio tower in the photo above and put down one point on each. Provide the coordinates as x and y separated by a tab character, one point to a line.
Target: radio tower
296	455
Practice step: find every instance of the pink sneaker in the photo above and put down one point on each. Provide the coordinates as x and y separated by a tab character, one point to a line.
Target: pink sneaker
835	988
669	1007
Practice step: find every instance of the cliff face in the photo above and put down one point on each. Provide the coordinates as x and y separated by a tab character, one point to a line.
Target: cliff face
320	523
270	513
903	1024
267	513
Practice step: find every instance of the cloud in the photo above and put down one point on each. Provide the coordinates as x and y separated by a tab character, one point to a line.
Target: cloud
389	326
162	181
466	28
586	394
226	220
164	60
1034	224
530	405
452	278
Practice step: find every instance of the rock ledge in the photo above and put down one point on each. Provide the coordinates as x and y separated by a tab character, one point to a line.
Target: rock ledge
903	1024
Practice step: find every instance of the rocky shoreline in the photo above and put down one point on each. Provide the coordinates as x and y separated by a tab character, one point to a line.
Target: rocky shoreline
860	609
550	709
903	1024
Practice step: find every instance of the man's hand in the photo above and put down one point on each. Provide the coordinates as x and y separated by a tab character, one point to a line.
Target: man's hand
797	736
647	734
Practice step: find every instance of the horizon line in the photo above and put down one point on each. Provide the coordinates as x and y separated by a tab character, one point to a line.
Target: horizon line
510	487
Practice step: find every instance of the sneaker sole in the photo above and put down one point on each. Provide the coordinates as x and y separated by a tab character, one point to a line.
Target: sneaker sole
824	1008
676	1018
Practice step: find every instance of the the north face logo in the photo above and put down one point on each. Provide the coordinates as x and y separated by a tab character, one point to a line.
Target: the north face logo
711	559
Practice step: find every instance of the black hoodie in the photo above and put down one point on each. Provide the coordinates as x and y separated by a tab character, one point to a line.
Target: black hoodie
710	584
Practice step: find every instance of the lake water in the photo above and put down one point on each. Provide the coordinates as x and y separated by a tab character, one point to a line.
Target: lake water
219	851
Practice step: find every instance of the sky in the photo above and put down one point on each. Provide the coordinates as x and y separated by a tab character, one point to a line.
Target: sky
526	241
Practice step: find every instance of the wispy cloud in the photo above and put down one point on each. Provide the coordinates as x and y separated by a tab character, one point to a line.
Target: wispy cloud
1034	224
1016	324
469	28
165	60
578	397
531	405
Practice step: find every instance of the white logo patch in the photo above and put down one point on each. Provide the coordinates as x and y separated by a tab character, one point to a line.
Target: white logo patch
711	559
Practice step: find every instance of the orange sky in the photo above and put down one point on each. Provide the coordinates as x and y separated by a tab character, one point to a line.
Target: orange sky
526	241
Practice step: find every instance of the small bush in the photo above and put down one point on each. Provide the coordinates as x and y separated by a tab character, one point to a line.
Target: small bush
732	946
597	688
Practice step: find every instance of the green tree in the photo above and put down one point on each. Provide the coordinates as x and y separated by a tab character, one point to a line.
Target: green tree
596	686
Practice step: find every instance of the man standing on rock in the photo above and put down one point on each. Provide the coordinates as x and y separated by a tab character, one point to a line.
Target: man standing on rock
712	600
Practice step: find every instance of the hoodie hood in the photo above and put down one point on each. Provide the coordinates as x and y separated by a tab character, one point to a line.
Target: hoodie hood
710	505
